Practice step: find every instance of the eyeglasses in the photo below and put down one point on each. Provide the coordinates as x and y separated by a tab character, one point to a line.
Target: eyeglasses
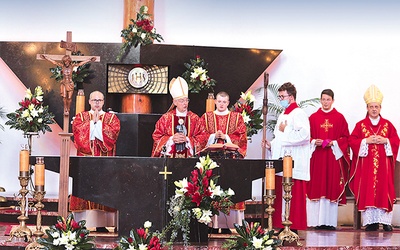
183	100
97	100
281	97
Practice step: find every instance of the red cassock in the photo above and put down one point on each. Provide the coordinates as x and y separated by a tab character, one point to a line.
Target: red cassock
231	124
166	127
85	147
329	176
372	177
81	128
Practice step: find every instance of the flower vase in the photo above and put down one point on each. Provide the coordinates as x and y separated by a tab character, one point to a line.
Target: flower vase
30	135
198	232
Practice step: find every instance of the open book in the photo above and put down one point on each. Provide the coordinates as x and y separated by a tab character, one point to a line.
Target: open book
222	146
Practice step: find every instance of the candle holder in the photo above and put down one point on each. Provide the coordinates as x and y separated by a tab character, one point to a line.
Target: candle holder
39	195
287	234
269	200
22	231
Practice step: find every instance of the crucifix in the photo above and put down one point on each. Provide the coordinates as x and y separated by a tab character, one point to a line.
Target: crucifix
66	90
67	64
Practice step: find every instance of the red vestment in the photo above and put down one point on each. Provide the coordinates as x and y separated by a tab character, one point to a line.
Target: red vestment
231	124
86	147
329	176
372	176
81	131
166	127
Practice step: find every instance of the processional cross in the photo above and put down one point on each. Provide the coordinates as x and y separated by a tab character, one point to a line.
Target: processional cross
67	65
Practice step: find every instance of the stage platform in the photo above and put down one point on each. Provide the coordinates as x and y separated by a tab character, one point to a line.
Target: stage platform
342	238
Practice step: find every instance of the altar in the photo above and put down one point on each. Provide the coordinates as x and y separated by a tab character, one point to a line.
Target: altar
139	187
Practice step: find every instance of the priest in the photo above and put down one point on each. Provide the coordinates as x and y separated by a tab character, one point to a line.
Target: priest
329	164
95	134
177	133
224	126
375	143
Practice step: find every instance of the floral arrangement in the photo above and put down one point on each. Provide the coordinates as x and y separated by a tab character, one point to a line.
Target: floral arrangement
252	236
80	74
196	75
140	239
252	117
140	31
32	116
67	234
199	198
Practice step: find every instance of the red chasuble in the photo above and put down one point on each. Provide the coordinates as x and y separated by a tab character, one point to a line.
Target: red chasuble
81	131
166	127
86	147
371	177
231	124
328	175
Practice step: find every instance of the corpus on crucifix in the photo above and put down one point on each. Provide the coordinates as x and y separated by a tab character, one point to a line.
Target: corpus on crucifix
67	64
67	85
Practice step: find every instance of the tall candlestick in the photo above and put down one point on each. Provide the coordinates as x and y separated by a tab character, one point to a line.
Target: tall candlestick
269	178
80	101
210	102
24	160
287	166
39	172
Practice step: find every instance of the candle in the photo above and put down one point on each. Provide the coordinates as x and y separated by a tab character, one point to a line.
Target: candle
210	102
270	178
39	172
24	160
287	166
80	102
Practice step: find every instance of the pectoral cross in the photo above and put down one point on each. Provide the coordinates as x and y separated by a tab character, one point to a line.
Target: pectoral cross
326	125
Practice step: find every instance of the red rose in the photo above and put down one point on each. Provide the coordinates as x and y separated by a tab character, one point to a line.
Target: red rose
130	239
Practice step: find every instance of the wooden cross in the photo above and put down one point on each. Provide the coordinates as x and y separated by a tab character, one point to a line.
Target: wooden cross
165	173
69	46
326	125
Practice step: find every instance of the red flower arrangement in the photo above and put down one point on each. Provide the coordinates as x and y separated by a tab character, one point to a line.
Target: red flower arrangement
140	239
252	117
67	234
198	198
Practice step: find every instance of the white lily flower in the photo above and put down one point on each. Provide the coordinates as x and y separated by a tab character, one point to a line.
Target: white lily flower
143	35
56	242
203	77
134	30
257	243
28	94
217	191
142	246
40	110
246	118
231	192
31	107
194	75
34	113
25	113
29	119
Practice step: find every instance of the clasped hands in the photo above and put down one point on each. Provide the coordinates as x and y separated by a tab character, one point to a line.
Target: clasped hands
96	116
179	138
376	139
220	135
